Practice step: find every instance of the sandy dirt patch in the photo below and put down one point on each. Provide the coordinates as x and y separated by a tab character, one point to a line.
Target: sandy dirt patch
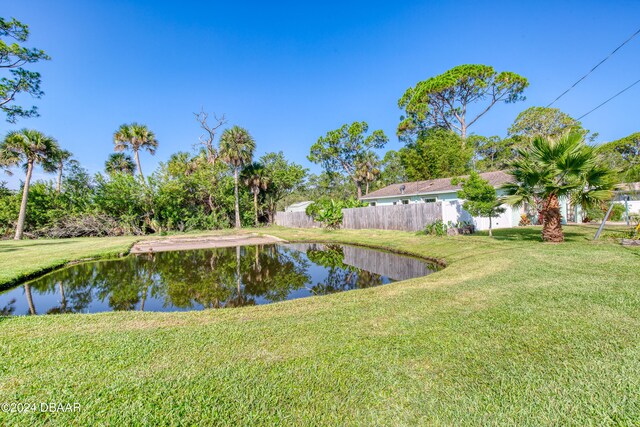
187	243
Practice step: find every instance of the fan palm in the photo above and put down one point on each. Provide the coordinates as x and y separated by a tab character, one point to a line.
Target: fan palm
119	163
135	137
555	168
255	177
28	147
60	159
236	150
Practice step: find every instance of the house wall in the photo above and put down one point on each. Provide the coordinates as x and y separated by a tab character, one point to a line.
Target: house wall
452	211
634	206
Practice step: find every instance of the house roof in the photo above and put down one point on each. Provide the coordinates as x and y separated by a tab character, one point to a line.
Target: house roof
431	186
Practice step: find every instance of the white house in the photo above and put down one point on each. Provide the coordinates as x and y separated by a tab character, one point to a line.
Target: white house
441	190
629	195
298	207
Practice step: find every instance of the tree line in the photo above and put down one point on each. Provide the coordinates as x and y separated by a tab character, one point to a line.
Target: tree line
189	191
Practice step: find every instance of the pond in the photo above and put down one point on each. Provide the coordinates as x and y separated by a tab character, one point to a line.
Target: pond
210	278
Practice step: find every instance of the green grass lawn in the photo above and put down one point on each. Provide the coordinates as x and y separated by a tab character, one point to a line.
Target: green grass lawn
512	332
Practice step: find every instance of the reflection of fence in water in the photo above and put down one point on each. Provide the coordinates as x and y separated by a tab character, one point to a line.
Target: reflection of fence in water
393	266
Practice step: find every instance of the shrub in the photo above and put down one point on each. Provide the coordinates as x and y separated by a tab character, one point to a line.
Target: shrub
597	213
329	212
524	220
436	228
617	213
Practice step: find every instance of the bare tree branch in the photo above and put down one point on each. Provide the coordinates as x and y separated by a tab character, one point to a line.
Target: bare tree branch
208	138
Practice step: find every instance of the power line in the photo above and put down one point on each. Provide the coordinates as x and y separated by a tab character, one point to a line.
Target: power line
593	69
619	93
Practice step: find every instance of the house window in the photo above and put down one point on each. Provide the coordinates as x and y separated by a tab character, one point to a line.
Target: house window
405	201
429	199
372	203
395	203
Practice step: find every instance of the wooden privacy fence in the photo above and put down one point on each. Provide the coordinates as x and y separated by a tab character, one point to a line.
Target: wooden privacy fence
410	217
296	220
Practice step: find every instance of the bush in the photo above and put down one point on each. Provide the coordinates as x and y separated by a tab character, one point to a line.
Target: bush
329	212
597	213
524	220
436	228
617	213
9	207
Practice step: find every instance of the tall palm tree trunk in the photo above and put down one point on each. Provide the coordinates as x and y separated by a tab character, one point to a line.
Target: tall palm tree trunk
59	180
27	292
552	220
137	157
235	189
270	212
23	204
255	207
359	187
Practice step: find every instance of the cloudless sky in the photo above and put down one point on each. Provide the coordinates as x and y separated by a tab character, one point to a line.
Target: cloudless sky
291	71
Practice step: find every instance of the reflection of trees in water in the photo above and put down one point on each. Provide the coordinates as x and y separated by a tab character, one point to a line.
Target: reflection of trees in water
123	284
212	278
274	273
8	309
205	277
231	277
29	296
127	282
341	276
73	285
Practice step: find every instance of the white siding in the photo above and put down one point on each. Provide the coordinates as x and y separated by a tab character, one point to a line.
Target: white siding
452	212
634	206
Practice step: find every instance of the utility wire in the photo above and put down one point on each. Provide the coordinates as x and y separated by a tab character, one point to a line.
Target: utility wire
619	93
593	69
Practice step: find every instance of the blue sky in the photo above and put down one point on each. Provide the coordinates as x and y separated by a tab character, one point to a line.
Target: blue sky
291	71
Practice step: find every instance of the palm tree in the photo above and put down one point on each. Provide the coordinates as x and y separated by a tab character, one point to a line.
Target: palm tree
555	168
60	159
31	147
368	169
135	137
236	150
255	177
119	163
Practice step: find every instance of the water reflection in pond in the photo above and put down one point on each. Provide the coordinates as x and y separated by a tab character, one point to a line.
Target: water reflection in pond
209	278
